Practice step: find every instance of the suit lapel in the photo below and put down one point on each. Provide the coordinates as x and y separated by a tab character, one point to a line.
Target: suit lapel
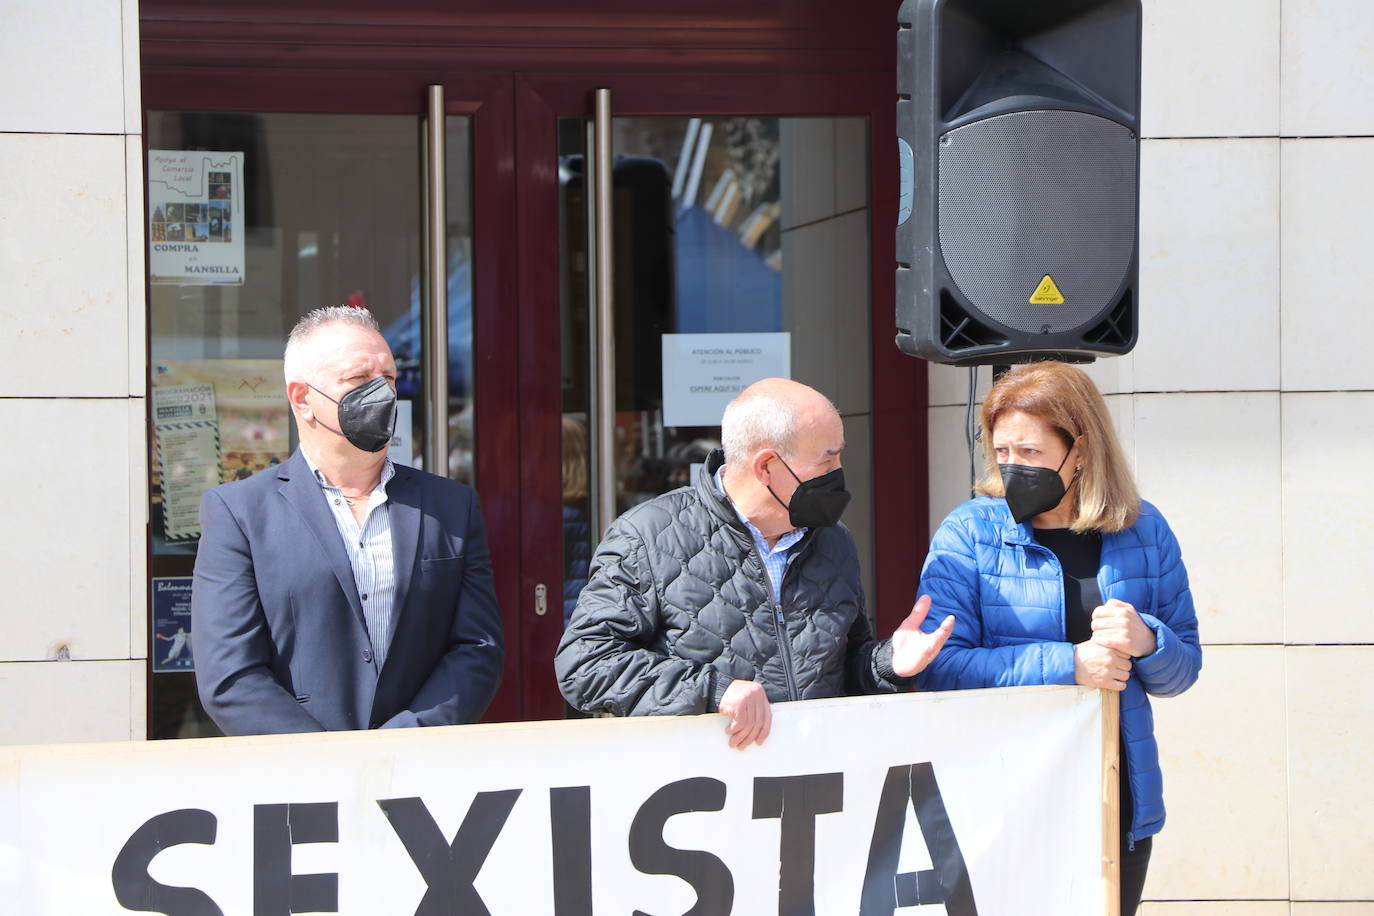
403	496
302	491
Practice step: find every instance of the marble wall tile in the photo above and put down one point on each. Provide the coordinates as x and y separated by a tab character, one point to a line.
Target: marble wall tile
63	66
1330	757
138	527
1209	266
73	529
136	274
132	64
1328	219
1223	752
1327	536
949	480
1327	68
1210	69
64	281
66	702
1210	463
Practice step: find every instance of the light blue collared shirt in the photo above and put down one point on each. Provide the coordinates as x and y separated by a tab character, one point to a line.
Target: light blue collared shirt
370	554
775	558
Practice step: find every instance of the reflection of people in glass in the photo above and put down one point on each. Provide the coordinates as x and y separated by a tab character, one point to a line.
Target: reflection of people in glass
681	457
1061	574
178	641
576	533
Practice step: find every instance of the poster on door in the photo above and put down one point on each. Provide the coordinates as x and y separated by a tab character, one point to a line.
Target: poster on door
214	421
703	372
195	217
186	439
171	636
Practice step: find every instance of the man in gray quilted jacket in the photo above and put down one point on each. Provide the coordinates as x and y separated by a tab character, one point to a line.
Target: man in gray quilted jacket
741	590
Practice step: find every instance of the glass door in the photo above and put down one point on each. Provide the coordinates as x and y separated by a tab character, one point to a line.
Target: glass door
742	205
738	227
255	218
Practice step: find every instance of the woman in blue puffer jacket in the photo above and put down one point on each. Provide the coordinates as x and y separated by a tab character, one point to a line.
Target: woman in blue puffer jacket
1060	574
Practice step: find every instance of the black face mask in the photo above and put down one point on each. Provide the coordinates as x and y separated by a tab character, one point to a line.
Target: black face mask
367	414
818	502
1031	490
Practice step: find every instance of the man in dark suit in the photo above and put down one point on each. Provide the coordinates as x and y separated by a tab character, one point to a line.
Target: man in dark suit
337	590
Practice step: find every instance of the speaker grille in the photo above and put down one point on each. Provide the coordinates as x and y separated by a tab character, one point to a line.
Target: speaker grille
1032	193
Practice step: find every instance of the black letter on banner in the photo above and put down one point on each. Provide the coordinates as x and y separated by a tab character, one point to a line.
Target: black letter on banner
276	828
570	814
797	800
450	868
708	875
947	882
135	889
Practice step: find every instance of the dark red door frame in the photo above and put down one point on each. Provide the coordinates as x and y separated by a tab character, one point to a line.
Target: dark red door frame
899	389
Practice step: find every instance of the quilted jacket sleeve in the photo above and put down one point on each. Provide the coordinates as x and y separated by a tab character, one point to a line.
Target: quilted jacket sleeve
868	662
606	660
951	577
1174	665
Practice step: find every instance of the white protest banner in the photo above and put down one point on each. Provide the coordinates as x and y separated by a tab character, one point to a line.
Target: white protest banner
986	802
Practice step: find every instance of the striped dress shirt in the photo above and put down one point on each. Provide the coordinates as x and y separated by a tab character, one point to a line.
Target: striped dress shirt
370	555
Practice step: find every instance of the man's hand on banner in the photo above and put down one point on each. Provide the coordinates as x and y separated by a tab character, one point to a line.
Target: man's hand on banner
750	714
912	649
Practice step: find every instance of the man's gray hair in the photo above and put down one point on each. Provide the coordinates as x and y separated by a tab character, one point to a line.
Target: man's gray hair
311	322
755	420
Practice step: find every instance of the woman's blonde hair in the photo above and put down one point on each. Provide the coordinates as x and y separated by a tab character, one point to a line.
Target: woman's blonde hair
1063	396
574	461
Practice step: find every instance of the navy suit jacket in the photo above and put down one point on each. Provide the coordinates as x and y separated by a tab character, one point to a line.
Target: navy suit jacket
278	632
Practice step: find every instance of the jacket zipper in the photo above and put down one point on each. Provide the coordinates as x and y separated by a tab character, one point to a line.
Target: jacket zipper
1063	596
1064	631
779	624
786	647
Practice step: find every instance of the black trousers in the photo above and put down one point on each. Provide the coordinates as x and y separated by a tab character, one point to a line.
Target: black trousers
1133	868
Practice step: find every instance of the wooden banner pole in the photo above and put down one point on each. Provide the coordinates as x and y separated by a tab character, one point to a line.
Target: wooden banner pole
1111	803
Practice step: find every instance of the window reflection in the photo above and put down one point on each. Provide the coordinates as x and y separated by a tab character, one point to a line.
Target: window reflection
699	243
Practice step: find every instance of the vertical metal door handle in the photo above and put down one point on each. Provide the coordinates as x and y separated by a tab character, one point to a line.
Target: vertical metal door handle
434	315
604	345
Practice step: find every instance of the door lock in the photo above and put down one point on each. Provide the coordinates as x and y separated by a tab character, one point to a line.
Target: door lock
541	599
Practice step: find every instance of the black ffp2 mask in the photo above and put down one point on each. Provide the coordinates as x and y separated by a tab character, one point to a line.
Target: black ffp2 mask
367	414
1030	490
818	502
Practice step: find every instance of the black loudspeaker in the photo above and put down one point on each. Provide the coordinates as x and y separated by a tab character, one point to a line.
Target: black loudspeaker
1018	138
